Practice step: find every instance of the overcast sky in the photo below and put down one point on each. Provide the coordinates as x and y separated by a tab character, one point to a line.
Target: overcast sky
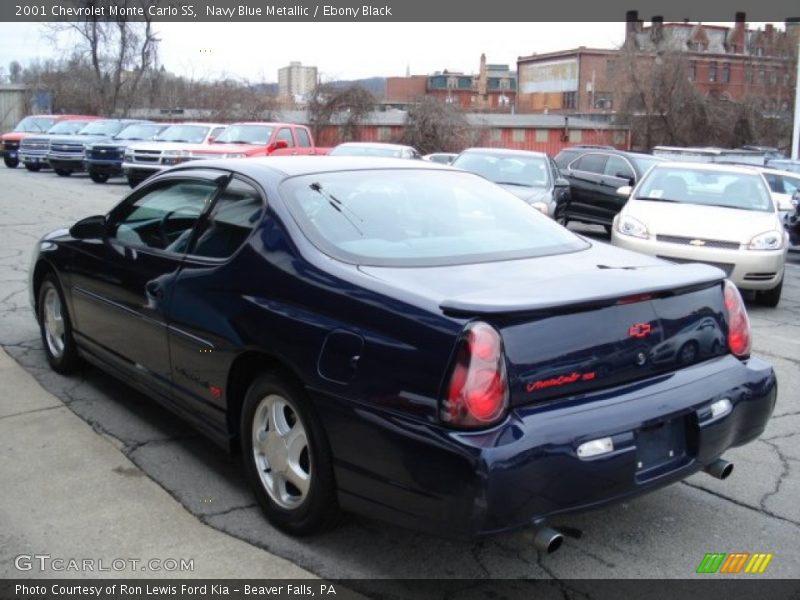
255	51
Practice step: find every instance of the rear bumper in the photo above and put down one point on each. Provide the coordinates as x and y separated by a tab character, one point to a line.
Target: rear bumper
527	469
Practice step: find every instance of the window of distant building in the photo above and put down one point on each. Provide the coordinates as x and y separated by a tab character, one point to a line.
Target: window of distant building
712	71
517	135
693	71
773	78
619	137
575	135
726	72
496	135
384	134
541	135
748	74
762	76
505	84
452	83
569	99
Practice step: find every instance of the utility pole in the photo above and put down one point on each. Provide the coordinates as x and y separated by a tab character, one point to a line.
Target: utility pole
796	130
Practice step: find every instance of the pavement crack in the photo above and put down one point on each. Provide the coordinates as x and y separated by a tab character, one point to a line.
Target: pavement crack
785	469
227	511
757	509
29	412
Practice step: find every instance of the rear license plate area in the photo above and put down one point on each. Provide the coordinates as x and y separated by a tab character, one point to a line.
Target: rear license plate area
660	448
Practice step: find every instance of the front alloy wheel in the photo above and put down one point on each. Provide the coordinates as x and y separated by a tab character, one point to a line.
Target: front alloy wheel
56	328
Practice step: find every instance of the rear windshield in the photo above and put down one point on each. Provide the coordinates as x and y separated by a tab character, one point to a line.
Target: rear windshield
728	189
190	134
409	217
521	170
34	124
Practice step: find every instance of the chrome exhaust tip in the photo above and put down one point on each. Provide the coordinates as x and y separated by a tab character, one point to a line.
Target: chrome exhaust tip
720	468
547	540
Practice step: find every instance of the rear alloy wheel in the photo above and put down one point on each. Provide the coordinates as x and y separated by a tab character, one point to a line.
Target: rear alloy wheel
33	168
55	326
772	297
11	163
63	172
286	457
98	177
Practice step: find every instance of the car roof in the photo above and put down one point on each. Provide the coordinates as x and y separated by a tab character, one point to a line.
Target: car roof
291	166
705	166
203	123
373	145
506	151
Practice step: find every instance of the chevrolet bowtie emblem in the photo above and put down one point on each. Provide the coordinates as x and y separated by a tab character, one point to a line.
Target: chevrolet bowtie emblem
697	243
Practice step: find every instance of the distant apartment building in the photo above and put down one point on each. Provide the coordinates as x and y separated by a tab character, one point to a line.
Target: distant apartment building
296	82
492	89
732	63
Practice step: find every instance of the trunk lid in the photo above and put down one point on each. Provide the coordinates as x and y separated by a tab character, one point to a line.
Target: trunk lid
579	322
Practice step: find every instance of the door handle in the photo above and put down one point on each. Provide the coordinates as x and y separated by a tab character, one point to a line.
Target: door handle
154	289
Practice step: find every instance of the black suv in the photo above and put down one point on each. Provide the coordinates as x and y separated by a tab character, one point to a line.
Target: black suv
594	174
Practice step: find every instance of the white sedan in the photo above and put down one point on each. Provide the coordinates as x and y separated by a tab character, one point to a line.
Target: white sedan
710	213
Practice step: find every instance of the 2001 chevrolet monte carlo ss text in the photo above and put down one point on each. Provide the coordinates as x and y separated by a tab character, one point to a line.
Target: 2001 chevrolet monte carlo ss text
404	340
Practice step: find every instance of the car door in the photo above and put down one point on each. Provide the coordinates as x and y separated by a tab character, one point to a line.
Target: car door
285	134
585	176
618	172
121	285
208	306
304	145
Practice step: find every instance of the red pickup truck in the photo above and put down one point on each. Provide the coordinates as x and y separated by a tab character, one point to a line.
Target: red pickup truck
247	140
32	124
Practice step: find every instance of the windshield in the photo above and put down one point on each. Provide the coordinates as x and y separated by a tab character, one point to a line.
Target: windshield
728	189
528	171
354	150
410	217
245	134
34	124
190	134
139	131
108	128
643	163
67	127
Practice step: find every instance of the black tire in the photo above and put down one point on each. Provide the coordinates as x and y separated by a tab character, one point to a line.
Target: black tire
560	215
11	163
63	172
687	354
134	182
770	298
64	360
608	229
295	512
99	177
33	168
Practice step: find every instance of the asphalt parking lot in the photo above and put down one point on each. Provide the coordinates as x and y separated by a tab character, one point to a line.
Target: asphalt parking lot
662	535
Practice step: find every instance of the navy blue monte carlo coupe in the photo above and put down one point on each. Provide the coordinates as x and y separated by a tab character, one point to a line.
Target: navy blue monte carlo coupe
404	340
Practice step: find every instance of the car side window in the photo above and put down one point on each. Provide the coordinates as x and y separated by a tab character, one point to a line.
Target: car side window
162	218
216	131
235	215
302	138
618	167
592	163
285	134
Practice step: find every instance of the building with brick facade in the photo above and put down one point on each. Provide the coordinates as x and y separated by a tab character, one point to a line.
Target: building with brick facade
492	89
733	63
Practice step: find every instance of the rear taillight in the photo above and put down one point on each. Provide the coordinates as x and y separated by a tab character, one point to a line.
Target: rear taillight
477	392
738	323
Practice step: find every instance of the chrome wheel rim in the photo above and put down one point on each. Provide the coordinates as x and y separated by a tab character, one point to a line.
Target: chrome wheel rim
281	452
53	322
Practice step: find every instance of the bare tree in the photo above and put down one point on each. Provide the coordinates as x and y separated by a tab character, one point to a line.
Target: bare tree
346	108
435	126
118	53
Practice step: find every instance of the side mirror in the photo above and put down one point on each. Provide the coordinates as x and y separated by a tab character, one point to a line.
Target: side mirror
624	191
278	145
90	228
211	139
561	182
